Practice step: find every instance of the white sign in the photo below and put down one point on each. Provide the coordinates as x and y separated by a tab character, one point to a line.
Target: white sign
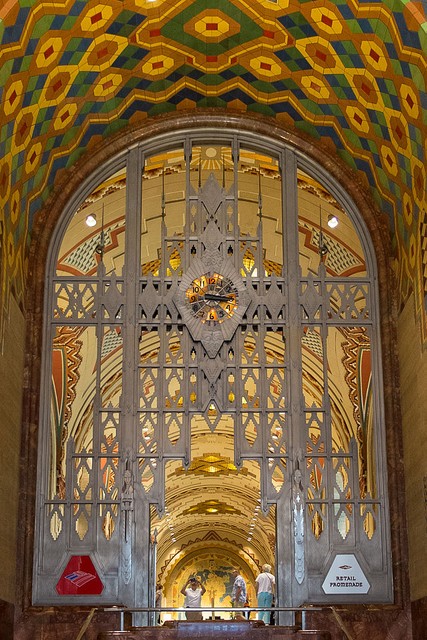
345	576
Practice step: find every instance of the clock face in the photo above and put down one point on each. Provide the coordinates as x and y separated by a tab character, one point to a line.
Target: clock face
212	298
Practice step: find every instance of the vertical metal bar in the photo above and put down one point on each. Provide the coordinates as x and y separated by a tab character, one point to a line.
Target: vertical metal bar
297	430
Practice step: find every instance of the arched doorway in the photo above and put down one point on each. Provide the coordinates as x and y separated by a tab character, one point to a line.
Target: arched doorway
211	318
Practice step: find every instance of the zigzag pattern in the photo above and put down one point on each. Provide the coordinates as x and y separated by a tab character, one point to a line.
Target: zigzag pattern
349	73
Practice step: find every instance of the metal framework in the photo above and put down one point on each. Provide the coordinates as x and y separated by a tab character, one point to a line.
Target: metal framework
212	328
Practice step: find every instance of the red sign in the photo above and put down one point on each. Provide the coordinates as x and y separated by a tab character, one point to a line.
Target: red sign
79	578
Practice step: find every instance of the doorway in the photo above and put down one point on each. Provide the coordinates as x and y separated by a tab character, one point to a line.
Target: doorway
212	522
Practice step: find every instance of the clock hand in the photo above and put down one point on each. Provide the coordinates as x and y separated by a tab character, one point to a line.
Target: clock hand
217	297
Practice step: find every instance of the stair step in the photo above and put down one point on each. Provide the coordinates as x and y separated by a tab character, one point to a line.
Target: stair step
215	630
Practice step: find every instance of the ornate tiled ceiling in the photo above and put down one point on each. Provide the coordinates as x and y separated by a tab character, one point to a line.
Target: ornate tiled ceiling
350	74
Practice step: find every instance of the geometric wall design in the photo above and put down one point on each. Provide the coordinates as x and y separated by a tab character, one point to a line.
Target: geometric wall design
351	75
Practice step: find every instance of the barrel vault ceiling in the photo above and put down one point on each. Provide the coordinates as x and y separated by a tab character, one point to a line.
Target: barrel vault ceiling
350	74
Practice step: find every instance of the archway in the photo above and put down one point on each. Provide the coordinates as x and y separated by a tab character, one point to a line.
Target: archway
273	356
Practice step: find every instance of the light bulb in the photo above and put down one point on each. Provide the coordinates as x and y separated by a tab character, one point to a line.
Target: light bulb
332	221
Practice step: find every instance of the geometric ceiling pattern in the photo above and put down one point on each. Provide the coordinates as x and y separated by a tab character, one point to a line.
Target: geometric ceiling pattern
350	74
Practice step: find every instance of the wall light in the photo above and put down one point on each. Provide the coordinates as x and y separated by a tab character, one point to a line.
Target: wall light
91	220
332	221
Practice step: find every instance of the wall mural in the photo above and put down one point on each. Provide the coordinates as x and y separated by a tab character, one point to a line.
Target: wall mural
214	571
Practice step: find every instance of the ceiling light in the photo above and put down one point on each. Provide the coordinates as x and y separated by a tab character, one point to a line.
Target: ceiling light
91	220
332	221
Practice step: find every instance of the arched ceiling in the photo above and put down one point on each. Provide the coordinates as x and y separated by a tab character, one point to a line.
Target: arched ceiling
349	74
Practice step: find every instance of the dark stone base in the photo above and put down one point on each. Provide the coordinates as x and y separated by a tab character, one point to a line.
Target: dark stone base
419	618
62	623
337	623
7	612
364	622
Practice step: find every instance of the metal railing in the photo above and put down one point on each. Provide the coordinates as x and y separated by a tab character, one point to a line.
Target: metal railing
212	610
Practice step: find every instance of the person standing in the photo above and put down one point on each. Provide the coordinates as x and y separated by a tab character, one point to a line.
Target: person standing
238	593
193	591
265	587
159	594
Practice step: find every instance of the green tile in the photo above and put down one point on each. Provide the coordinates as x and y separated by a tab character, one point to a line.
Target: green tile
340	93
158	86
381	120
397	68
26	63
5	71
382	177
69	22
163	107
347	157
42	26
381	31
297	18
373	146
238	70
111	105
422	34
264	109
76	56
387	100
308	128
418	77
297	33
211	80
352	137
343	80
311	106
354	26
265	87
335	109
70	135
86	107
32	83
391	87
350	48
212	101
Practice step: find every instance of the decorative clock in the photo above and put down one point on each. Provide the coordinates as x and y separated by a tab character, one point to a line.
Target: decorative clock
212	300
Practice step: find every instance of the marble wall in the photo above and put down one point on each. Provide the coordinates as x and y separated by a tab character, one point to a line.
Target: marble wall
11	375
413	373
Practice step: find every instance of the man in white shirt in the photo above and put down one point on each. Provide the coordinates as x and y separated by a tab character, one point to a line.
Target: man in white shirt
193	592
264	585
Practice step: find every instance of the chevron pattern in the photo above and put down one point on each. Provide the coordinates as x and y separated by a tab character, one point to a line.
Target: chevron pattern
350	74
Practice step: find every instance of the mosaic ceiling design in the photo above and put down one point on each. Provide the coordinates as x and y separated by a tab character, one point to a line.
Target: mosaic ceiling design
350	74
